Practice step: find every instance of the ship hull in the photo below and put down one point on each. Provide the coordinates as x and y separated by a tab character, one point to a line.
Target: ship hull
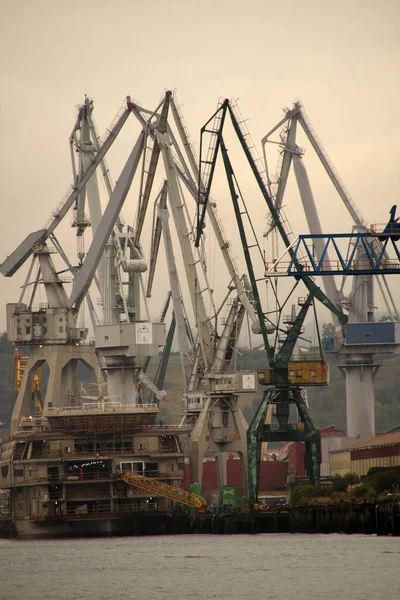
154	524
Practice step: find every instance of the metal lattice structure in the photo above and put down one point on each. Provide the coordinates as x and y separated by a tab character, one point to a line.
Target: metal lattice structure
164	489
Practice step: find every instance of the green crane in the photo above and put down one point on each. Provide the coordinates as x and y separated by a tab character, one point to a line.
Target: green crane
280	390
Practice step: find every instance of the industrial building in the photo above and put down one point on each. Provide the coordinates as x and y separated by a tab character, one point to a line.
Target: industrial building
381	451
293	453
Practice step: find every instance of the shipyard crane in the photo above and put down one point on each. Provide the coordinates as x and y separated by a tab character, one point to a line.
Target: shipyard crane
358	369
122	296
156	127
211	387
123	368
188	173
280	391
291	153
53	331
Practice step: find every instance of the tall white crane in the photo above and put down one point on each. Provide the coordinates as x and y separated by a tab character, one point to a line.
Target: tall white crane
357	368
124	339
210	400
127	337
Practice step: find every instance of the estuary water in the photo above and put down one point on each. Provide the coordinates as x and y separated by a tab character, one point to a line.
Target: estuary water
268	567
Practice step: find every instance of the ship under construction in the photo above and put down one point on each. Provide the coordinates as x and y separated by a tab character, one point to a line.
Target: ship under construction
92	469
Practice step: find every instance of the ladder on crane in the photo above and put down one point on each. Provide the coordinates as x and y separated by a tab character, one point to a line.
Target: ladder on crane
164	489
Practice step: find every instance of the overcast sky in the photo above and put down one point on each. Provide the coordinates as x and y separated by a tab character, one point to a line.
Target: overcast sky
341	58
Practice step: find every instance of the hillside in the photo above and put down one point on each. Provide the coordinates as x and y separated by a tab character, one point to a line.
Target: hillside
327	403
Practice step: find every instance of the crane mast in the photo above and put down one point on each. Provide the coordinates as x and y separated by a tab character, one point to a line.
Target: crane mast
185	347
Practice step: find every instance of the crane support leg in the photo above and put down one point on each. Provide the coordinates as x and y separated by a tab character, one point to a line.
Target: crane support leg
197	445
258	433
61	361
312	439
211	436
23	403
254	442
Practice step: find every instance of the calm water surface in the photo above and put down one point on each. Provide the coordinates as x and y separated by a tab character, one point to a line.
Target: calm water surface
268	567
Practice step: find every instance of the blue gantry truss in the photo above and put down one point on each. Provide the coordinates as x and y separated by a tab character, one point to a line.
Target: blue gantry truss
375	259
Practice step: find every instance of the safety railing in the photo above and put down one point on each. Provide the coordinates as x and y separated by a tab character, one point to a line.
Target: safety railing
89	407
89	507
329	266
47	454
65	477
136	507
385	229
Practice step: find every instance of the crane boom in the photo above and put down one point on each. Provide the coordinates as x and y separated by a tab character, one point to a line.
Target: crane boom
178	214
155	155
234	196
24	250
183	341
87	271
164	489
330	169
155	238
215	221
312	287
164	358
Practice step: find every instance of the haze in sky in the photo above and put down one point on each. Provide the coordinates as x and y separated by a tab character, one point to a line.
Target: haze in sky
341	58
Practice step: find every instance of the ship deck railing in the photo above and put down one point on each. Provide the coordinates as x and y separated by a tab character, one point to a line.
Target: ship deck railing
131	511
85	477
167	427
101	407
103	453
45	428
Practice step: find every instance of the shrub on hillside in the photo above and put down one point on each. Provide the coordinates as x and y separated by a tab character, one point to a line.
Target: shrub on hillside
340	483
385	480
306	494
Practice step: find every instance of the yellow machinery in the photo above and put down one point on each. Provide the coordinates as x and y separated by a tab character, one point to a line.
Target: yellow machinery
300	373
164	489
312	372
20	366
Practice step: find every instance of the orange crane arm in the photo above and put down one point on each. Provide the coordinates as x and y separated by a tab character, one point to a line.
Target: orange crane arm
164	489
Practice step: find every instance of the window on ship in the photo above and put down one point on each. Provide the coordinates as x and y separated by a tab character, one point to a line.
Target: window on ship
19	450
168	443
151	469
